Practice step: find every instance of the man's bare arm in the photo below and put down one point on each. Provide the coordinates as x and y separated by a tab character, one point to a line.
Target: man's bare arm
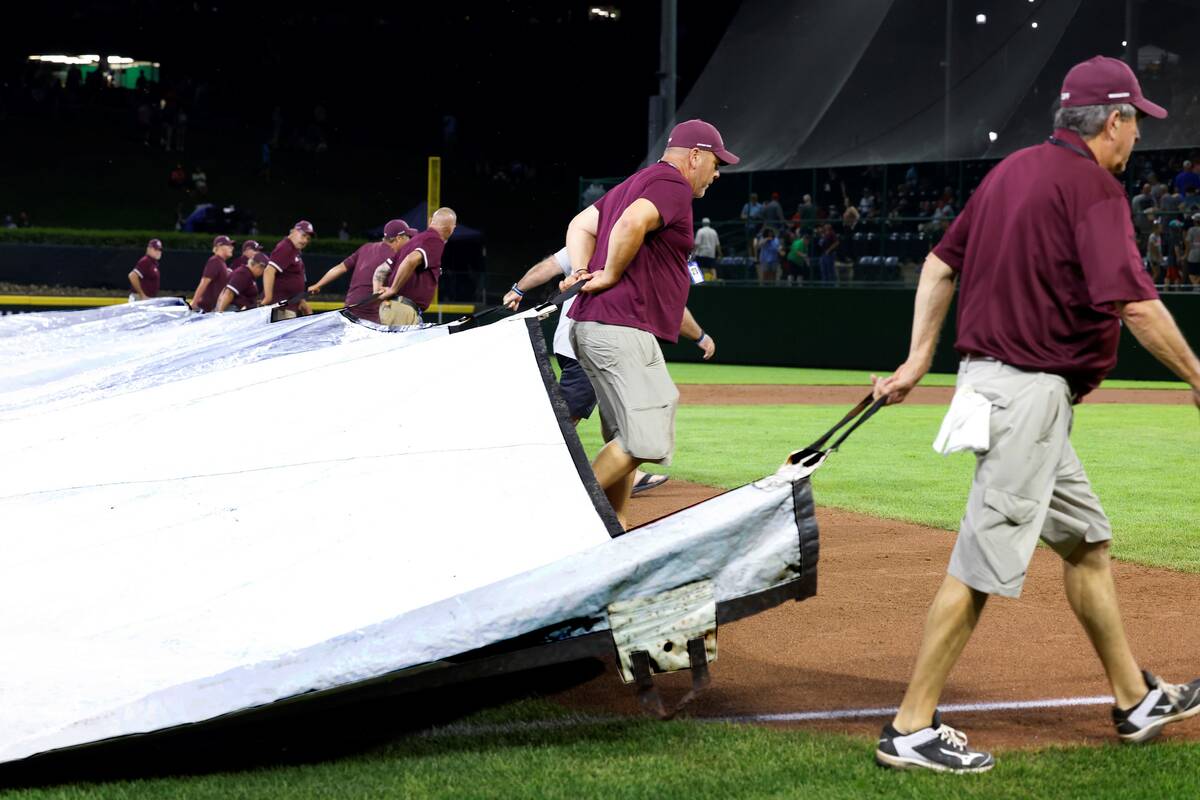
268	286
200	287
545	270
225	298
635	222
405	271
581	237
934	293
334	272
136	282
1155	329
692	330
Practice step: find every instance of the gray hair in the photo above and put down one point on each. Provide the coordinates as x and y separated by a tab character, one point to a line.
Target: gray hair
1088	121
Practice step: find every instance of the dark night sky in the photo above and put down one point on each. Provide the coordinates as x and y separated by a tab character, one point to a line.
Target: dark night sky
534	81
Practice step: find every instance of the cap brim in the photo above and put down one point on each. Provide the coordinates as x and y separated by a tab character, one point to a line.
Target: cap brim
727	158
1150	109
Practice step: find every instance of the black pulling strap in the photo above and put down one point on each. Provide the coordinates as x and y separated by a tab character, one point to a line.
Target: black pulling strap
811	454
557	300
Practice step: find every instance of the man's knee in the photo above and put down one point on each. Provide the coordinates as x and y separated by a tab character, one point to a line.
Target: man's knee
1095	555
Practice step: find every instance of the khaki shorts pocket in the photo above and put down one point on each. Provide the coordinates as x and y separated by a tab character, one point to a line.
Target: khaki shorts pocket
1014	508
1006	538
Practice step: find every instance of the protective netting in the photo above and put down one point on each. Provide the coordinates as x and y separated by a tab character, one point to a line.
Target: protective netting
797	84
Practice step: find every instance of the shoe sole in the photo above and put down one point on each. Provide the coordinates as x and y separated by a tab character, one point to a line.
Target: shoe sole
645	488
898	762
1152	731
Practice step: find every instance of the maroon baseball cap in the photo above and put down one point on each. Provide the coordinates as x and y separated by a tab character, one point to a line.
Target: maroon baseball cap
155	243
1102	81
304	226
250	244
220	240
260	258
698	133
398	227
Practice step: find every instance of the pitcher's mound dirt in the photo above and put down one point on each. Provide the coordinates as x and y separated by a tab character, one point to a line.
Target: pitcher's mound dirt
853	645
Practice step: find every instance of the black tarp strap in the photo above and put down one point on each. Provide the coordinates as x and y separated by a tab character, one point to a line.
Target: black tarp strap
647	692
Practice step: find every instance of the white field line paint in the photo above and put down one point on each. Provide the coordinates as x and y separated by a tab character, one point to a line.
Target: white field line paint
566	723
954	708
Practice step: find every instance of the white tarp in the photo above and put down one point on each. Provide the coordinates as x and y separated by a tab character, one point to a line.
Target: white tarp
432	505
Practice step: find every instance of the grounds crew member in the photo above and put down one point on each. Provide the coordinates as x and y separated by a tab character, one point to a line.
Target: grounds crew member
362	264
634	242
144	275
1048	270
215	276
242	288
284	277
573	381
249	248
413	277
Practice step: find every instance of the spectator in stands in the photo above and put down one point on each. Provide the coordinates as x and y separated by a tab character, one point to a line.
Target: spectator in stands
707	247
199	182
1154	251
866	204
752	212
1191	202
806	214
1173	249
827	246
773	213
770	254
9	222
1142	202
1186	178
177	178
1191	251
344	231
1169	203
796	268
23	220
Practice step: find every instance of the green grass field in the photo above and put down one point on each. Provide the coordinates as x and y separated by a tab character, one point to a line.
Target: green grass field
1141	459
727	373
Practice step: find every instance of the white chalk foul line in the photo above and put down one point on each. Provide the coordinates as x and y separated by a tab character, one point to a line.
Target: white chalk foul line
505	728
953	708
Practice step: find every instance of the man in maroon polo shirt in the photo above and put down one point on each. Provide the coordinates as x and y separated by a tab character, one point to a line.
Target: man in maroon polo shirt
413	277
1047	268
249	248
215	276
634	243
363	263
285	278
144	275
242	288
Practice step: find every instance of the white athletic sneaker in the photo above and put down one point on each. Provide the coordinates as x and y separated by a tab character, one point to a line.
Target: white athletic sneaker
1163	704
938	747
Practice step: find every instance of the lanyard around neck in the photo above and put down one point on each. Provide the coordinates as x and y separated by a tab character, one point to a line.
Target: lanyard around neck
1072	147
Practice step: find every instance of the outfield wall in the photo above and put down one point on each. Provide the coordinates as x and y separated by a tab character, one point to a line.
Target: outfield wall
108	267
857	329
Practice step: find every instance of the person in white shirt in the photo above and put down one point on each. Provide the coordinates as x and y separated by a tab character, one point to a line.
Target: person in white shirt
707	248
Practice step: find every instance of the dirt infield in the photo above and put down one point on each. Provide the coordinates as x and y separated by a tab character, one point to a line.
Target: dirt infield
768	394
852	646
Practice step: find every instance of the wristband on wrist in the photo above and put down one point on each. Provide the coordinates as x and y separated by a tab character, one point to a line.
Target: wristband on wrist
518	291
700	338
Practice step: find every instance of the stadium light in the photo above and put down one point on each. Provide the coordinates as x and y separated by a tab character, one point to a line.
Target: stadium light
980	19
993	136
609	13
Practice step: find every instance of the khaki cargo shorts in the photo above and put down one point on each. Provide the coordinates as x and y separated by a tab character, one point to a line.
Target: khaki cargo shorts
1028	485
396	313
636	395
